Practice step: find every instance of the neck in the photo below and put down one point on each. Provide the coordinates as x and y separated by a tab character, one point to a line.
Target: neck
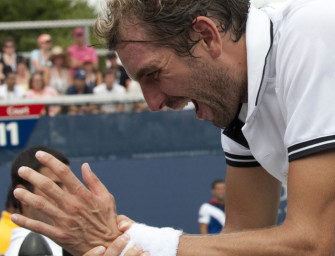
10	87
9	54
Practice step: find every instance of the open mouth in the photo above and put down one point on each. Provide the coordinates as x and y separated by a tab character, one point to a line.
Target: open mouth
195	105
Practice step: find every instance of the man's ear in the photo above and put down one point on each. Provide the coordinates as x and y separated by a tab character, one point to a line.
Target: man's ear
209	34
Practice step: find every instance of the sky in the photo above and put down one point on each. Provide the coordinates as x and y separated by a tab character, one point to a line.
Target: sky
95	3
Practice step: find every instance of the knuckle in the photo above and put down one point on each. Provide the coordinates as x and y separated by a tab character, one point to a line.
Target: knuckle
39	204
63	238
73	209
119	243
70	223
45	184
63	170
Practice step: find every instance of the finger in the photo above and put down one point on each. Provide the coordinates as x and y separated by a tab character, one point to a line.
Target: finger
92	181
97	251
135	250
36	226
63	172
117	245
123	217
49	187
37	202
124	223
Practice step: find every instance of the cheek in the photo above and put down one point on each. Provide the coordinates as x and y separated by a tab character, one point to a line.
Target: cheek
178	85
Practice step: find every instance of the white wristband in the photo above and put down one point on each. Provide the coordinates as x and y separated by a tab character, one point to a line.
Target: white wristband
157	241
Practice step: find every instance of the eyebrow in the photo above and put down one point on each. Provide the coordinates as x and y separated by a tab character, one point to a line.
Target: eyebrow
145	70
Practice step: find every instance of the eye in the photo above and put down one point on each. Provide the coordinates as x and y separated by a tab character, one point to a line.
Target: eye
154	75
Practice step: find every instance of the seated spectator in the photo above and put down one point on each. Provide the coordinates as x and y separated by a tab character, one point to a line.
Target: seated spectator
38	89
9	58
23	75
39	58
79	51
110	86
6	225
79	84
27	158
58	75
122	77
139	106
93	76
10	90
80	87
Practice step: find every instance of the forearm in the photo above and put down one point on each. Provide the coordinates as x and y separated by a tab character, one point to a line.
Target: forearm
203	228
276	241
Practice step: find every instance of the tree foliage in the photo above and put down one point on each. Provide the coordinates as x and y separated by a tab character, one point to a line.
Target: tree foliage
34	10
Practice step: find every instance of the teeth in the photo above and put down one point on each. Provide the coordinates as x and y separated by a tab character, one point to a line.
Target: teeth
182	106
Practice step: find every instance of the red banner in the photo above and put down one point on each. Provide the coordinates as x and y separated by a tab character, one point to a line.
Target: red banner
20	110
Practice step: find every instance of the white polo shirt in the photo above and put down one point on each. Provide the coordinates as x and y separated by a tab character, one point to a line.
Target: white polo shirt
290	112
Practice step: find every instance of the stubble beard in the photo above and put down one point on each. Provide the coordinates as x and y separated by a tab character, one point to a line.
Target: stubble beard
219	88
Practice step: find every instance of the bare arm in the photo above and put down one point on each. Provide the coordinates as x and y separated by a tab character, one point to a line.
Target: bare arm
37	65
252	199
2	76
308	228
46	76
203	228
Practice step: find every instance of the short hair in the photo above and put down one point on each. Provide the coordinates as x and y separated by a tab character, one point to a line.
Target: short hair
11	201
32	77
169	22
27	158
8	40
109	71
217	181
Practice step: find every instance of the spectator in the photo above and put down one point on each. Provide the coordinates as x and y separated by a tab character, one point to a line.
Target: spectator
79	51
23	75
38	89
212	215
121	74
10	90
6	225
39	58
9	58
27	158
79	84
110	86
80	87
139	106
58	75
93	76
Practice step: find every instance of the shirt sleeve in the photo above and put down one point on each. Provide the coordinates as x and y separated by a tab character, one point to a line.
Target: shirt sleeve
35	55
203	215
306	81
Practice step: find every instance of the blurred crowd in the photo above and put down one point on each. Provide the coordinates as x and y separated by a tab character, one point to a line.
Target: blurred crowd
51	71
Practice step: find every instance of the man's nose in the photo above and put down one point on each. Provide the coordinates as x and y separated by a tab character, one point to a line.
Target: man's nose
154	97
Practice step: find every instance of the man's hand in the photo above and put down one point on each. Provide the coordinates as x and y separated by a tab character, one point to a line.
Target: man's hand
117	246
80	218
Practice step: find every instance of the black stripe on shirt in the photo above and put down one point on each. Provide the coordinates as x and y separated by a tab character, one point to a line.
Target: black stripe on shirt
311	147
271	42
240	161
